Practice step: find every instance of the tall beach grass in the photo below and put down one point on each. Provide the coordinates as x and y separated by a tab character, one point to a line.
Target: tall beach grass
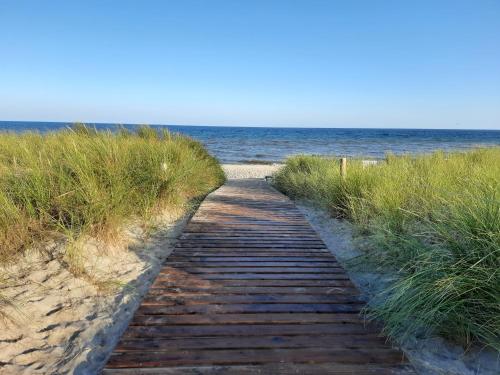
79	181
431	220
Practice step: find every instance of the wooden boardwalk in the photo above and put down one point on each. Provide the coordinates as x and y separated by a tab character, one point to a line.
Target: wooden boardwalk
251	289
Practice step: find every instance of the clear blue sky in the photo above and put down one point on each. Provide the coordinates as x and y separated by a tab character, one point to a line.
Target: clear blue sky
420	64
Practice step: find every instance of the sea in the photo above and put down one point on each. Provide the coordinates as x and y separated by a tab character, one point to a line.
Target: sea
247	145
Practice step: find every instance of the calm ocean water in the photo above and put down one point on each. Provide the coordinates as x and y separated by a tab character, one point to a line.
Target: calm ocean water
246	145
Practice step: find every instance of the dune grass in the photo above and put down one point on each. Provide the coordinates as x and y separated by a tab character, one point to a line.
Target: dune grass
83	182
431	220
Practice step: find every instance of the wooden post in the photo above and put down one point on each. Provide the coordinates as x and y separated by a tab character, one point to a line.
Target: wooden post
343	167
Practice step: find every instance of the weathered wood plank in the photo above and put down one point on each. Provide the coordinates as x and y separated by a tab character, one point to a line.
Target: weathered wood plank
255	318
241	356
250	342
161	289
247	330
177	263
327	368
207	284
182	275
251	308
155	299
255	270
241	259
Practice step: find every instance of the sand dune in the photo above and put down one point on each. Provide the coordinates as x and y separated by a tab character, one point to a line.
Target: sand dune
59	323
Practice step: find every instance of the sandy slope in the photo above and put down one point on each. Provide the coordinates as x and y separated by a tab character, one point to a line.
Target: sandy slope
63	324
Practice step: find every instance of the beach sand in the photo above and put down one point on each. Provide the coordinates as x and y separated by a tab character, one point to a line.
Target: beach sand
250	170
57	322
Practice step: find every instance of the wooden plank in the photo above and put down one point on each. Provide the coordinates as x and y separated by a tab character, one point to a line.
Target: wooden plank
249	227
251	238
255	270
254	252
251	308
252	298
271	255
271	224
245	356
247	330
327	368
273	258
256	318
254	241
253	283
159	288
242	263
250	276
247	235
249	342
221	232
260	245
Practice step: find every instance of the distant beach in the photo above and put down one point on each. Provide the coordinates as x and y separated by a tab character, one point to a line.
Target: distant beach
260	145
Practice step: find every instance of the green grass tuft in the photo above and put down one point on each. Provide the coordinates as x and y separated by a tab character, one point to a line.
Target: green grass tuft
81	181
433	221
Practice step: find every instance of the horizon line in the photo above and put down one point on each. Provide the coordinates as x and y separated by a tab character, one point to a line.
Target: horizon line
247	126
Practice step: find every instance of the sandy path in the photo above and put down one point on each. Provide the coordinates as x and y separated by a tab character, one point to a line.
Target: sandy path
250	170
